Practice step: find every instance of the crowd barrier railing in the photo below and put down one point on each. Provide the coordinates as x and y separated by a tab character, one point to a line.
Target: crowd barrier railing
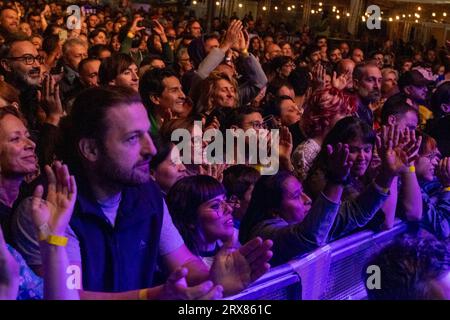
331	272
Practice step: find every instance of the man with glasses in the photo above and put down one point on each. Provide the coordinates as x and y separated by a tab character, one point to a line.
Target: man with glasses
21	64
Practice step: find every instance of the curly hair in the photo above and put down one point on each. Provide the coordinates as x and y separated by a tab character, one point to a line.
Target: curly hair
408	267
322	107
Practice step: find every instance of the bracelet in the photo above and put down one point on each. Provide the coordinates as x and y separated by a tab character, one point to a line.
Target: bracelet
412	169
244	53
57	240
130	35
143	294
447	189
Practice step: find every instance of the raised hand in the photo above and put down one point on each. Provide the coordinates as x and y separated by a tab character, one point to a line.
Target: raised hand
410	144
134	26
339	164
340	82
159	30
230	37
51	100
394	153
318	75
176	288
285	144
243	41
236	269
56	210
9	272
443	172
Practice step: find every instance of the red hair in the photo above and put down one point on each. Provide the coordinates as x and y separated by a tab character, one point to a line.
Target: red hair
323	106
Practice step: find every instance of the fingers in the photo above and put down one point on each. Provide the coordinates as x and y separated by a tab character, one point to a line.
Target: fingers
2	243
329	150
261	251
215	293
37	197
250	246
178	275
72	188
51	194
260	272
201	291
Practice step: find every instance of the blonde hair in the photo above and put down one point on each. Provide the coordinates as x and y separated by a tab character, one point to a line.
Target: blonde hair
210	89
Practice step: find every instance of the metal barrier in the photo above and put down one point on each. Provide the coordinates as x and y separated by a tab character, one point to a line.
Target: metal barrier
332	272
281	283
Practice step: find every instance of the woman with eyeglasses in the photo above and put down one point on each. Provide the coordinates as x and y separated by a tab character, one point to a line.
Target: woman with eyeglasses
433	175
203	215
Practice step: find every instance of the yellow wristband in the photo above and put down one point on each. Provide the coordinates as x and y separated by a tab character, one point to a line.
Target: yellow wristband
143	295
130	35
447	189
244	53
412	169
57	240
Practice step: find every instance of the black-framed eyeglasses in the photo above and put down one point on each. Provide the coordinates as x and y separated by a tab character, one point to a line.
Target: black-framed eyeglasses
28	59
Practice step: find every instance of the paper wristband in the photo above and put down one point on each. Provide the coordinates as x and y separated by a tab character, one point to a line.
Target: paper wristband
57	240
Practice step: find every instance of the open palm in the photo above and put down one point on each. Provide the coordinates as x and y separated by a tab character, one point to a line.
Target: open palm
235	269
57	209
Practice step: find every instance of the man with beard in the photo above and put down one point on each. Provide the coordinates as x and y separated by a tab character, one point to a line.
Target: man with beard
22	65
120	226
367	85
9	22
414	85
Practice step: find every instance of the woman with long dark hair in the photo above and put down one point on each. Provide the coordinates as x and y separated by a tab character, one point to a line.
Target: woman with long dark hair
280	210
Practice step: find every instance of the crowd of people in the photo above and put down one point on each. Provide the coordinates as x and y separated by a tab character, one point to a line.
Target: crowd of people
89	177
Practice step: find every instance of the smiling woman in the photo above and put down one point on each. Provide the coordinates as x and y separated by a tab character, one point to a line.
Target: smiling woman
17	160
202	214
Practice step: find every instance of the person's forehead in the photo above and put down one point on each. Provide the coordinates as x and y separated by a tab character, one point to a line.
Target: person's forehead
77	48
274	48
222	83
254	116
372	71
23	47
10	123
409	116
92	65
212	41
127	117
292	184
287	104
170	82
9	13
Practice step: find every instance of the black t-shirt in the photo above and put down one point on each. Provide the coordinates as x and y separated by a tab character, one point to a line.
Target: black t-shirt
439	129
5	221
297	134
